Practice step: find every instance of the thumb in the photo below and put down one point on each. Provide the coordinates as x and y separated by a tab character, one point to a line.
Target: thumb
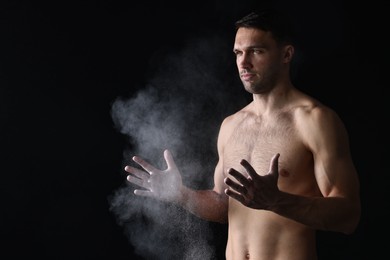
169	159
274	164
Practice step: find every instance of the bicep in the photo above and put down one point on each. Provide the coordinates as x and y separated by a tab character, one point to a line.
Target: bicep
334	169
336	175
219	174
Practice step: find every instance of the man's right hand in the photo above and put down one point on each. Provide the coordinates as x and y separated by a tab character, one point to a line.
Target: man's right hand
160	184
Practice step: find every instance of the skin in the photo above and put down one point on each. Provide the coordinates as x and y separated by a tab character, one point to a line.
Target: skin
284	169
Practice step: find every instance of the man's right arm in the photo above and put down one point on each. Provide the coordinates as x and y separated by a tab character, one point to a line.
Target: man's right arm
211	205
167	185
206	204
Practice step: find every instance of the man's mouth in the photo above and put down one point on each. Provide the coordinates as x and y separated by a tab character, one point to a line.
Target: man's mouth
248	76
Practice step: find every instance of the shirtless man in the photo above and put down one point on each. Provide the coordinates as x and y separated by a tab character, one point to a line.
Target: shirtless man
284	169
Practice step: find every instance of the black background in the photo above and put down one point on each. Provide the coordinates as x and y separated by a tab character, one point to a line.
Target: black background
63	63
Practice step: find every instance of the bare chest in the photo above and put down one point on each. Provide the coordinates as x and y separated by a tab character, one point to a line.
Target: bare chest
258	142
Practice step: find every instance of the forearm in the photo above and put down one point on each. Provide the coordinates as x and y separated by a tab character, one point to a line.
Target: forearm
329	214
206	204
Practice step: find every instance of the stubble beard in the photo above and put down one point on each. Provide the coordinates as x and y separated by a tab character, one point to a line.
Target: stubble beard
261	85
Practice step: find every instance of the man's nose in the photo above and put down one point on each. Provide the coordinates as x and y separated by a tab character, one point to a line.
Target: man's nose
244	62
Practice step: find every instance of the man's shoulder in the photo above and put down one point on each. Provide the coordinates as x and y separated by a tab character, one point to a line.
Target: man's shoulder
314	115
307	106
311	108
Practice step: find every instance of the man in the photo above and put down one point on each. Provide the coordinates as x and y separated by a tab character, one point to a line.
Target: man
284	169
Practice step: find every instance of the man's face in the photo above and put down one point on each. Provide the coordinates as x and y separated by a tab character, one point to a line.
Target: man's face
258	59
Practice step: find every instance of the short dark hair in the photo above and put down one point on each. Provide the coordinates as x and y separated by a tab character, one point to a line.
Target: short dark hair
270	20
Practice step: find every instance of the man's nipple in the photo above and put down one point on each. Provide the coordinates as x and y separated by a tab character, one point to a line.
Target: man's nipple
284	173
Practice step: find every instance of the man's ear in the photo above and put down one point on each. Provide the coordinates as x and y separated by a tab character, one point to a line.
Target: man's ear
288	53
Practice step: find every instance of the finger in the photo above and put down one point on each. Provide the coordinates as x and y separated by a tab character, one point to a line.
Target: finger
239	176
145	193
137	172
144	164
274	168
235	186
169	160
249	169
138	182
235	195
